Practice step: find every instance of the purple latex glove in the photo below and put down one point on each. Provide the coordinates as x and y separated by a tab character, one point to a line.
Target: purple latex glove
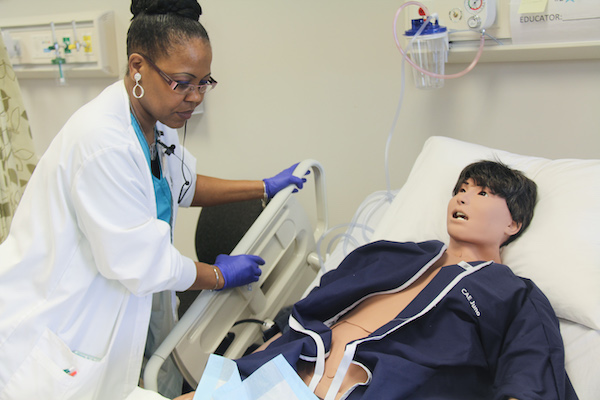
282	180
239	270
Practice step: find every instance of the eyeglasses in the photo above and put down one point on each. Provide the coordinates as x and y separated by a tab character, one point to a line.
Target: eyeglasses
181	87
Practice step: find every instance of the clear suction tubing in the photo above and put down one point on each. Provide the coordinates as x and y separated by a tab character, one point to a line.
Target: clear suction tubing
428	49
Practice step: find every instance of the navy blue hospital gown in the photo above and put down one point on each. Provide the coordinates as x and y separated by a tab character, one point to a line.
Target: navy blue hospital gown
493	335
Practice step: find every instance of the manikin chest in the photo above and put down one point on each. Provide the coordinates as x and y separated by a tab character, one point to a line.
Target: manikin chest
364	319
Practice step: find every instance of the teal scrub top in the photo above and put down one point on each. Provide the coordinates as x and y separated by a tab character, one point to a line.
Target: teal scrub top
162	192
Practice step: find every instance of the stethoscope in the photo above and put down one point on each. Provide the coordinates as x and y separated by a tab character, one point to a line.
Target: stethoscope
169	150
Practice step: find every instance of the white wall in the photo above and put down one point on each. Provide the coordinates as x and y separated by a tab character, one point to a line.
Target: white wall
316	79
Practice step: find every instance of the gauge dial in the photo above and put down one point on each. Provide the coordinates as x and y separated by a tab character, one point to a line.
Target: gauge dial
474	5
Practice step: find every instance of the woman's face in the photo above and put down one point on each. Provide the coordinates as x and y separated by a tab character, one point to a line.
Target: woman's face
189	63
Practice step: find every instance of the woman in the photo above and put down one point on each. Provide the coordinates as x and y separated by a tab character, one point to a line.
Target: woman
92	239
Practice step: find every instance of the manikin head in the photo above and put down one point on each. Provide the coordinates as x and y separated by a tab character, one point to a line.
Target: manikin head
492	203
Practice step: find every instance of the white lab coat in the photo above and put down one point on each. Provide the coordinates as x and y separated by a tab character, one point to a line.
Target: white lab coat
84	255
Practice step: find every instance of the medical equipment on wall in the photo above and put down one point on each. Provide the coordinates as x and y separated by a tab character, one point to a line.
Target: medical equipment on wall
427	50
58	60
61	46
522	30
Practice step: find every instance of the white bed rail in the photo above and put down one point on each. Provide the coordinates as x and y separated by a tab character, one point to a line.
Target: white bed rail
208	302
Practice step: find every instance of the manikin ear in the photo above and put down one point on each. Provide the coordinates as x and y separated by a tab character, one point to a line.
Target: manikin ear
513	228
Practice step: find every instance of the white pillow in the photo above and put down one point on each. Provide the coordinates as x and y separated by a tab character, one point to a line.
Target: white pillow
560	251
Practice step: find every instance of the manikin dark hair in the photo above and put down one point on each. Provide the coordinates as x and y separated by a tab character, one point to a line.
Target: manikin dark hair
513	186
159	25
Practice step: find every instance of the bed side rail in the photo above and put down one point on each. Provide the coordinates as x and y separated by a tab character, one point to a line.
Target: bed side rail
208	303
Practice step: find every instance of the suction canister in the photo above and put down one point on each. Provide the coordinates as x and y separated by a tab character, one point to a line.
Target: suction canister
428	49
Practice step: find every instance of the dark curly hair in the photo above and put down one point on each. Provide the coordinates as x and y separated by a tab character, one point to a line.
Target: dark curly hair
513	186
159	25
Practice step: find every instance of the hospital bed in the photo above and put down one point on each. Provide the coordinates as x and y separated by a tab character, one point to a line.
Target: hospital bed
559	251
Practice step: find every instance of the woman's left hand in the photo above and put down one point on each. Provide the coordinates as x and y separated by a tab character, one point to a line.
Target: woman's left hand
282	180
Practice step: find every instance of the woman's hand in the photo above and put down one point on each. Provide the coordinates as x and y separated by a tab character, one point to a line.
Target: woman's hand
282	180
239	270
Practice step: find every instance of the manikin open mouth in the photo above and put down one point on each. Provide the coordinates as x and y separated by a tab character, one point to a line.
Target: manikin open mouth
460	215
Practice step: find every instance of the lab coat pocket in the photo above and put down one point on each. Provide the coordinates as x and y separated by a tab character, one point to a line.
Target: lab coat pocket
50	371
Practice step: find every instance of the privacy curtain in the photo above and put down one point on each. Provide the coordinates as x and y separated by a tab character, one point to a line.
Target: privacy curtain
17	155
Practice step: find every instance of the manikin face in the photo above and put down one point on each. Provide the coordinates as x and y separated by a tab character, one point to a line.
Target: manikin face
478	217
185	64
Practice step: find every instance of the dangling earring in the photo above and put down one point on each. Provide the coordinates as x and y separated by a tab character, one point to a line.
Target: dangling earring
137	78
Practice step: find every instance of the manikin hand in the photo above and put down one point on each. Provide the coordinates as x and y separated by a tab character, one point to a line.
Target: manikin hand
187	396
